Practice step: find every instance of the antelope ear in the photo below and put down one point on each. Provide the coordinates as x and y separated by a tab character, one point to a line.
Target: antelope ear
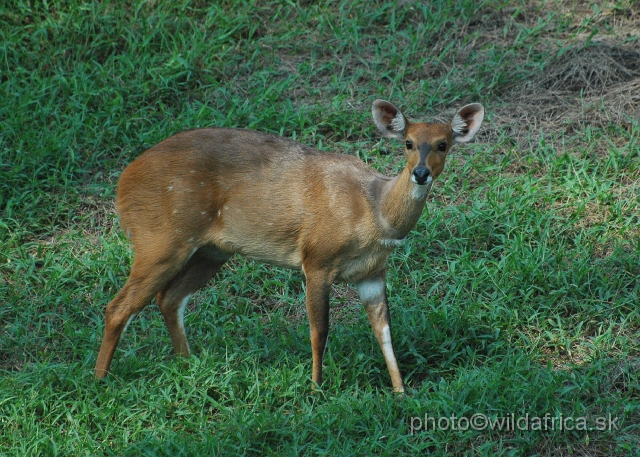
389	119
466	122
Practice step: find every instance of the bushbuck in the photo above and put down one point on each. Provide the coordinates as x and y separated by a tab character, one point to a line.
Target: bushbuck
198	197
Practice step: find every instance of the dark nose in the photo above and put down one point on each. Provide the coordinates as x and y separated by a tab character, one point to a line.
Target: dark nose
420	174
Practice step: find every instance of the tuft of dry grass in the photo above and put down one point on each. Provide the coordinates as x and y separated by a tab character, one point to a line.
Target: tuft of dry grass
579	79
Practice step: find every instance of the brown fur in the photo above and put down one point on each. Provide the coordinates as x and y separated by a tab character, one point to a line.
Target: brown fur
200	196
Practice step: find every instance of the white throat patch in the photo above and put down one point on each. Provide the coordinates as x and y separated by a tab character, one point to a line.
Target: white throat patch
420	192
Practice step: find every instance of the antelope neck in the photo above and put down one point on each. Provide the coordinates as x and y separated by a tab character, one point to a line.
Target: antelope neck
402	202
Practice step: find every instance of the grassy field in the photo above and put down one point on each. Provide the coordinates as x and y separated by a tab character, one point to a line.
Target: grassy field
517	296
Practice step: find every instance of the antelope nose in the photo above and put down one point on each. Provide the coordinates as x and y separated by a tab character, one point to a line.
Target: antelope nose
420	175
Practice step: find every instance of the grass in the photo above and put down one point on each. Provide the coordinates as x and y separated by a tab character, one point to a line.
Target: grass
516	294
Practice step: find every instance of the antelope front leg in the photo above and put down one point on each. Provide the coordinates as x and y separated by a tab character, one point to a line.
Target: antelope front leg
374	297
318	288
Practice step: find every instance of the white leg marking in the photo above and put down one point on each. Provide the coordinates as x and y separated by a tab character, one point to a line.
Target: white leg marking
192	252
390	243
370	289
126	326
183	305
387	349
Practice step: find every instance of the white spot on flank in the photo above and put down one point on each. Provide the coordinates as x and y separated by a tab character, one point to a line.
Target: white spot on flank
203	212
191	239
371	289
201	184
226	208
219	212
169	187
458	124
175	211
192	171
398	124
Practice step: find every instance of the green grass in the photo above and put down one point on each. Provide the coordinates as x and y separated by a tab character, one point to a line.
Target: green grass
517	293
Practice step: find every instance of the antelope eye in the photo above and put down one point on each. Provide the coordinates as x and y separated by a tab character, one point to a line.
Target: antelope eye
408	144
442	146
